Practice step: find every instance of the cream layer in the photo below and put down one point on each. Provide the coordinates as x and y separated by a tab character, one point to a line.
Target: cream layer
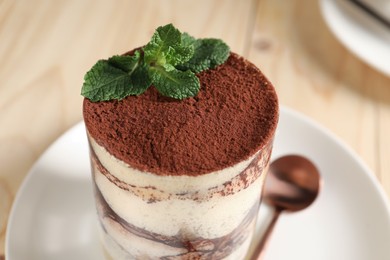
125	241
208	206
170	184
209	218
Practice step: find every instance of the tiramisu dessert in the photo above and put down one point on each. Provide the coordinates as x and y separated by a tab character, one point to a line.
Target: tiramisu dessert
180	135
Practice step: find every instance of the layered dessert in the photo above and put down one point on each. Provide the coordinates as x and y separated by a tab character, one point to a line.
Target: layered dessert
181	179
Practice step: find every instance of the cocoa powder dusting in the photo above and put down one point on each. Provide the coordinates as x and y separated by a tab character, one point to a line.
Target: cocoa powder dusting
233	116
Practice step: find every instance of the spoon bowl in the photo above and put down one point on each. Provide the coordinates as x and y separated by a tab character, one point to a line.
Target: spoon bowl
292	184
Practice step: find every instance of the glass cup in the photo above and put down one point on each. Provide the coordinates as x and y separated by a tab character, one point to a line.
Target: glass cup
148	216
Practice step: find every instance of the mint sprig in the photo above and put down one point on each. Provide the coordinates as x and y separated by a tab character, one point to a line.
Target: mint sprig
169	62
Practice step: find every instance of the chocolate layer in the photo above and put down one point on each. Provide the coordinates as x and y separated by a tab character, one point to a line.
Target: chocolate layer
232	117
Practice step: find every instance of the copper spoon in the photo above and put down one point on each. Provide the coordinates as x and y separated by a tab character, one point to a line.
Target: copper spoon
292	184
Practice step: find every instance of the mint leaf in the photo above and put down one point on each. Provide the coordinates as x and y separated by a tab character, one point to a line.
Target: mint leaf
169	62
116	78
176	84
208	54
166	47
188	40
125	63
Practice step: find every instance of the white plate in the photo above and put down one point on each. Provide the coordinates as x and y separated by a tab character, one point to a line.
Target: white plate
53	216
359	32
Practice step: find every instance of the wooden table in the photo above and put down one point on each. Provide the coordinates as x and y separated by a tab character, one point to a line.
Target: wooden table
47	46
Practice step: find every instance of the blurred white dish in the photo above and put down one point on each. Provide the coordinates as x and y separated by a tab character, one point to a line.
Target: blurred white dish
359	32
53	216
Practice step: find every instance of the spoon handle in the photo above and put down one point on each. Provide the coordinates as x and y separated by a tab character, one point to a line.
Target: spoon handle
259	250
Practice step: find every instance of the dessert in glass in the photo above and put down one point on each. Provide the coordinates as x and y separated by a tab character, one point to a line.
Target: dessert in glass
182	179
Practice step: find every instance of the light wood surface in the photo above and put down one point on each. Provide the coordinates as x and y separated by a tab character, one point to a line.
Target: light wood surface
47	46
